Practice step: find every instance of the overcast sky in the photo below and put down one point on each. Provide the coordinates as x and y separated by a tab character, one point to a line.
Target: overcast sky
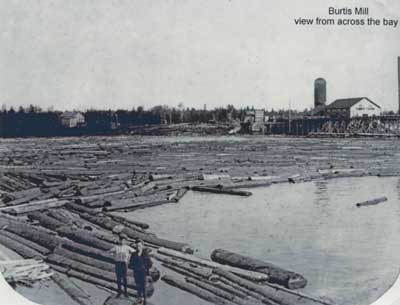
78	54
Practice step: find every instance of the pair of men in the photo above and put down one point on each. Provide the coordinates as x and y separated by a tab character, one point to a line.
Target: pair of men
138	260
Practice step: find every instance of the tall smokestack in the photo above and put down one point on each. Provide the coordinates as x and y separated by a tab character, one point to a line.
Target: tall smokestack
398	78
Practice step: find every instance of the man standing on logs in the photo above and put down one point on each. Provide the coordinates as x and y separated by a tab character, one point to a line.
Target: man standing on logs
141	264
122	253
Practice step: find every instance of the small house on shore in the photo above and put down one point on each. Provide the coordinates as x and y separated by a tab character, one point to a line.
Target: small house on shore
352	108
72	119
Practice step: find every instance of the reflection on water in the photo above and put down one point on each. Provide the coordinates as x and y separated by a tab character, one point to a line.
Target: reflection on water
348	254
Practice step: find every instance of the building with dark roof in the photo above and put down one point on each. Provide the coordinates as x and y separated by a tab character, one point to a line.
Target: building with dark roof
352	107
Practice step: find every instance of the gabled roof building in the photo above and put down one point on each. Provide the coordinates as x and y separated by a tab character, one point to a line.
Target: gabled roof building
352	107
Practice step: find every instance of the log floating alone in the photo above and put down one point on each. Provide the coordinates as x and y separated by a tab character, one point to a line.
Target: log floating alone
275	274
372	202
220	191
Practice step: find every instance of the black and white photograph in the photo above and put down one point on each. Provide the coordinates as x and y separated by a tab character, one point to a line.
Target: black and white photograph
199	152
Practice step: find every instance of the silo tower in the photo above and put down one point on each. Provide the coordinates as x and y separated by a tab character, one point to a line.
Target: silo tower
319	92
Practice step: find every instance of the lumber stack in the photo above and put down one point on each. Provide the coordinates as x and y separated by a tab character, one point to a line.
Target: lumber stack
25	271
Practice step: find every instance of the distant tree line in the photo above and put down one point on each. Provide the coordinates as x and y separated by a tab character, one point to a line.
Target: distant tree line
34	121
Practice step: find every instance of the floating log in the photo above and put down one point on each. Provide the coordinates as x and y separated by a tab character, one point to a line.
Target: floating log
21	196
100	191
232	290
19	248
86	199
34	234
196	270
214	177
46	221
240	289
180	271
100	264
107	223
25	242
217	291
275	293
372	202
84	237
34	206
251	275
275	274
129	222
155	177
180	193
81	209
201	293
75	292
69	218
220	191
248	184
87	251
131	204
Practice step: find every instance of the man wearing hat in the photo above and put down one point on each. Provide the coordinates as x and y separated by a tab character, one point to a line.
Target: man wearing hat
122	253
141	264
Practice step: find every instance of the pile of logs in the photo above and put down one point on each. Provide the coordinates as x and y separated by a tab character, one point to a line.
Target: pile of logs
223	284
58	198
76	245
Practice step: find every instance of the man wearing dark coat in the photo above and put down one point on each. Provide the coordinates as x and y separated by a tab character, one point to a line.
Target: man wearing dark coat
140	263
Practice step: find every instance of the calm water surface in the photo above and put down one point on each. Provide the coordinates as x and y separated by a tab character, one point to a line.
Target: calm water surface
348	254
